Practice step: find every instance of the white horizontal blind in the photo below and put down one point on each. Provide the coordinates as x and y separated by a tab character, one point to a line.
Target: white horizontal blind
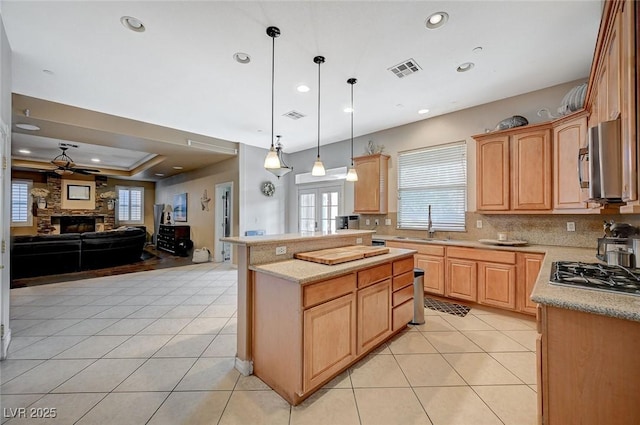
435	176
20	202
130	204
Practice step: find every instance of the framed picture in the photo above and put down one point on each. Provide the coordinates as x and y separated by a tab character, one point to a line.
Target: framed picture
78	192
180	207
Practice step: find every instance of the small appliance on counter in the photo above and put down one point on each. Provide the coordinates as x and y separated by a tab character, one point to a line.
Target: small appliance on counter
617	246
347	222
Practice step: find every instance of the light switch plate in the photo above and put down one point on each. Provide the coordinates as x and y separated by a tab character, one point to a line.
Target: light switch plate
387	222
358	241
479	224
367	222
571	226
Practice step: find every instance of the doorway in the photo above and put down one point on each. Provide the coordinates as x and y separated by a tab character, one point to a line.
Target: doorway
318	208
223	221
5	205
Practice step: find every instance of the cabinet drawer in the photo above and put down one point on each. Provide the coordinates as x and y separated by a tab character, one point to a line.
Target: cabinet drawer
402	315
320	292
402	266
402	280
494	256
422	248
374	274
402	295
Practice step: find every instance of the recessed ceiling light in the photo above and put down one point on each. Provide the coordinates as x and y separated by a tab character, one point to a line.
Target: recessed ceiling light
437	20
242	57
95	159
25	151
302	88
159	174
348	110
177	168
30	127
465	67
133	24
423	111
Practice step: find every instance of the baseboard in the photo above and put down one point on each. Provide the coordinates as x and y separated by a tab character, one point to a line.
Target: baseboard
5	344
245	367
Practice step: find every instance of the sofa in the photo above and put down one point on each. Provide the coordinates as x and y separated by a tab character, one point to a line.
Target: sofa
71	252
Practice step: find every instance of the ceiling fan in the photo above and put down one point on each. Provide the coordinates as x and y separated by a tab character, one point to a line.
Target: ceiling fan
65	164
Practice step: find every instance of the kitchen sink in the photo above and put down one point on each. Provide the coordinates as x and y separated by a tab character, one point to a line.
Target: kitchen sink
421	239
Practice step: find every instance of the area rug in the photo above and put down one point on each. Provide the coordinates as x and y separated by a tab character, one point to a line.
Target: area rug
446	307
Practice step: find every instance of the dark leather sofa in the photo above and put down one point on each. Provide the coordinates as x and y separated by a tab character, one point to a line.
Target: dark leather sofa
52	254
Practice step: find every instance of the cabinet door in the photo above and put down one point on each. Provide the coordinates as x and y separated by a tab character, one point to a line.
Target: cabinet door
567	139
374	315
462	277
493	174
614	69
497	285
433	273
329	339
530	265
370	191
629	101
531	161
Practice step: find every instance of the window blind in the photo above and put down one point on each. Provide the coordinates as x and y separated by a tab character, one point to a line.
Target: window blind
131	204
435	176
20	202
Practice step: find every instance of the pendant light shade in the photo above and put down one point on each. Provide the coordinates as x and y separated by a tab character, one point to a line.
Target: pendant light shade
318	167
352	175
284	168
272	161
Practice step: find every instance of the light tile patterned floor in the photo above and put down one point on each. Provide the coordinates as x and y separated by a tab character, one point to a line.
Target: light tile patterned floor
157	347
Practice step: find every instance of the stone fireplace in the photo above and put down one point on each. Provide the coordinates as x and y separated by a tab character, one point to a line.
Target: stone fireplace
76	224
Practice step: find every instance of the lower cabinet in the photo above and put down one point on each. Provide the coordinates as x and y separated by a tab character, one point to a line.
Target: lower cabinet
462	276
529	265
374	315
433	273
497	285
329	343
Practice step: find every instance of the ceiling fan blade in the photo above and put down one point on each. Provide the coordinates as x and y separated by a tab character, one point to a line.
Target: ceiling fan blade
91	170
80	171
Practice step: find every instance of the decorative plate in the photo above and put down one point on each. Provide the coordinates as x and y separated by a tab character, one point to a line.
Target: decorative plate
268	189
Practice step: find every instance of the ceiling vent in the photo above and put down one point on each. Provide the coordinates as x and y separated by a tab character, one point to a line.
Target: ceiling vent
294	115
405	68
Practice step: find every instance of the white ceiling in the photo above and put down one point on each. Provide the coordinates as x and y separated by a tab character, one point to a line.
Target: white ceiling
180	72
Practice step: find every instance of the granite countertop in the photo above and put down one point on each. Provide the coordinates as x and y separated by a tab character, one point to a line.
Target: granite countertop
304	272
611	304
292	237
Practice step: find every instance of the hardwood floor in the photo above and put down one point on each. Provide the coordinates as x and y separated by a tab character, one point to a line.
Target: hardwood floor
152	259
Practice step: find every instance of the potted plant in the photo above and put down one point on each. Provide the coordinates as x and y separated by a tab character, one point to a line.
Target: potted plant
111	197
40	194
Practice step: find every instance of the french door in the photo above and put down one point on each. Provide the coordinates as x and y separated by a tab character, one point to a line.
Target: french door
318	208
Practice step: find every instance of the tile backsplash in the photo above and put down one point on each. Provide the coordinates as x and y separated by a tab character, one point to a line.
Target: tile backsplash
541	229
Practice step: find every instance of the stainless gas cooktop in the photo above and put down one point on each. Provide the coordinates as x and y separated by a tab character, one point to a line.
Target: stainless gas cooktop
600	277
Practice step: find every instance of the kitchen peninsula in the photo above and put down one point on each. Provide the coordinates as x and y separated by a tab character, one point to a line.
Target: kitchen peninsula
301	323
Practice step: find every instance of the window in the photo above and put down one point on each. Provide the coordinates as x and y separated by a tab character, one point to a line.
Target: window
318	208
21	203
435	176
130	204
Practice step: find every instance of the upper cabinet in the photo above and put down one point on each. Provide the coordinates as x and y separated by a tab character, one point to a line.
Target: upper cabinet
569	135
370	191
493	173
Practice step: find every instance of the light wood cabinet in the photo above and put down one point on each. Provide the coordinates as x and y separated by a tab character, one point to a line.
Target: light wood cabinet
497	285
513	170
587	368
371	189
462	277
569	135
529	265
374	315
433	273
329	339
493	175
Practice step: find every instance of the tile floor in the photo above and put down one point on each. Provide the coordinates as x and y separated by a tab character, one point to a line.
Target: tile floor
157	347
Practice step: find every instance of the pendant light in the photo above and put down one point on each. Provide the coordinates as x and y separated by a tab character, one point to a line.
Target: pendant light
352	175
284	168
272	161
318	167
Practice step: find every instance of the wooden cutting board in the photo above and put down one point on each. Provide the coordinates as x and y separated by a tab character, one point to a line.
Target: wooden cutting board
343	254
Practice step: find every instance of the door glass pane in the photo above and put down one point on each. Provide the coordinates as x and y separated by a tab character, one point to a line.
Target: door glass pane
307	212
329	211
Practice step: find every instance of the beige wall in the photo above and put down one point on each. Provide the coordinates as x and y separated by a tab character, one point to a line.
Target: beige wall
202	222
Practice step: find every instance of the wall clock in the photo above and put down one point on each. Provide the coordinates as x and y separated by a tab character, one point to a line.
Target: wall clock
268	189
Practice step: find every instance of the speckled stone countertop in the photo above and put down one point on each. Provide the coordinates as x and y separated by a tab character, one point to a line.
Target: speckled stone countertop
605	303
292	237
303	272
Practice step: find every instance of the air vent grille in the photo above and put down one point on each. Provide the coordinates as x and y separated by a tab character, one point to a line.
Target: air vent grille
294	115
405	68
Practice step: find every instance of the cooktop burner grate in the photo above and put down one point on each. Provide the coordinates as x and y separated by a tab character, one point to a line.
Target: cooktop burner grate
596	276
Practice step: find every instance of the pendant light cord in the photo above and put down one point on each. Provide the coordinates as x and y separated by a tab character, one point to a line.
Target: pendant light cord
319	62
352	123
273	67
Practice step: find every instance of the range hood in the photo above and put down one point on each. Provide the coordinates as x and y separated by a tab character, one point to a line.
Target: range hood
604	156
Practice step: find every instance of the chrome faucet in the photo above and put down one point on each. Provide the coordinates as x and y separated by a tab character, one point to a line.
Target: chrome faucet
430	230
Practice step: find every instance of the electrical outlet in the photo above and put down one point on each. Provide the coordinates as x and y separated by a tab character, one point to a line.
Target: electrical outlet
358	241
387	222
376	222
478	224
367	222
571	226
280	250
